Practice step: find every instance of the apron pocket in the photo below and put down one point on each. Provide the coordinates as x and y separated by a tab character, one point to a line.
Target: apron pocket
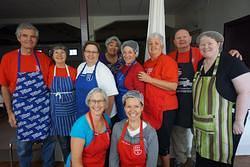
204	123
65	109
64	98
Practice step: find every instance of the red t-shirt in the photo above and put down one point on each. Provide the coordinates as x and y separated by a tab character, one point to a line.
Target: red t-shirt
163	68
61	72
8	71
183	57
131	81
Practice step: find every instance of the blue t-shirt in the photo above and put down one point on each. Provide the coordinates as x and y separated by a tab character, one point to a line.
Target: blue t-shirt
81	129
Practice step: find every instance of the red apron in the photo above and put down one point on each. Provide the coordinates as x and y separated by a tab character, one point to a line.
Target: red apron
94	154
132	155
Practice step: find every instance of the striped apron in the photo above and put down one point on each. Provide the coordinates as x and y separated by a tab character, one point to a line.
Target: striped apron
63	104
212	118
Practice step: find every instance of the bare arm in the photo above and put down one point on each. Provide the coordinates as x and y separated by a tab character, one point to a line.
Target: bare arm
7	101
77	145
242	86
142	76
110	105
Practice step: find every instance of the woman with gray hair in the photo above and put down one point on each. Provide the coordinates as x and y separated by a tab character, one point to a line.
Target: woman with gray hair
221	94
61	81
161	80
90	134
126	77
112	58
134	142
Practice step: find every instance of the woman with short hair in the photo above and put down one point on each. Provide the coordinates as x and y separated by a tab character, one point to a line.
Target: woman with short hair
90	135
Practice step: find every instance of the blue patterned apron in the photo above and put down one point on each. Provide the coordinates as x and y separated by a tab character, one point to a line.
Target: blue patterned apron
31	104
120	80
63	104
84	83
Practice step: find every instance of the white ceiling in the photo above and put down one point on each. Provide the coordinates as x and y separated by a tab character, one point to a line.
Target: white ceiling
70	8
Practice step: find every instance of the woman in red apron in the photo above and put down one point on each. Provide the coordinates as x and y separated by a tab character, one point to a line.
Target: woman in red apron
63	100
90	135
134	142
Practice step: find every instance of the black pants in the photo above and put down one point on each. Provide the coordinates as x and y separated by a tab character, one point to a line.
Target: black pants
165	130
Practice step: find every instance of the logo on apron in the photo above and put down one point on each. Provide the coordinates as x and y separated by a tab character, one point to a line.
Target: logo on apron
137	150
89	77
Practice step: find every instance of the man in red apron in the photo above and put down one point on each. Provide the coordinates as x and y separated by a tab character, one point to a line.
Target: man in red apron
27	97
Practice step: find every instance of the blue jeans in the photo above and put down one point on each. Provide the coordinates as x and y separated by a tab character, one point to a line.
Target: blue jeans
24	152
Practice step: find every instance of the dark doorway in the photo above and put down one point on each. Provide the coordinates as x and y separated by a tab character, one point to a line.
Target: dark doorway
237	36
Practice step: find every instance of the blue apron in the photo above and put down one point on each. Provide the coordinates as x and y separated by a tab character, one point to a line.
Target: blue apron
31	104
120	80
63	104
84	83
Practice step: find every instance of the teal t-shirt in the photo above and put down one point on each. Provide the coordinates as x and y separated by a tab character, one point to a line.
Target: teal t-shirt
81	129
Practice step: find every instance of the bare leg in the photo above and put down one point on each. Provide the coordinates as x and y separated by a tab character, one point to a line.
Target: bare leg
165	160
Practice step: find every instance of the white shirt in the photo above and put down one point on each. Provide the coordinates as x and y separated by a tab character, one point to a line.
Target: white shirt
105	80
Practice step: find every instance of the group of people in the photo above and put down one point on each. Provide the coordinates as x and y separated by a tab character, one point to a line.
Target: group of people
114	111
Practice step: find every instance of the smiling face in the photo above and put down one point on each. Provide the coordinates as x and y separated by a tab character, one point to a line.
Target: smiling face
112	48
209	47
182	40
59	56
154	47
133	109
97	104
91	54
129	55
27	39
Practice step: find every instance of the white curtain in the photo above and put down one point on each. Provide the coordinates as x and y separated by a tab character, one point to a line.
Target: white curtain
156	21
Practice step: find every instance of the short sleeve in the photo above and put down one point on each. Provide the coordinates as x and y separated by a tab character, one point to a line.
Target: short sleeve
169	70
105	80
79	128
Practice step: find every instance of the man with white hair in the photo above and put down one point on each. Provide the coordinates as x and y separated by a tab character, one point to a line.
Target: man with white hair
26	96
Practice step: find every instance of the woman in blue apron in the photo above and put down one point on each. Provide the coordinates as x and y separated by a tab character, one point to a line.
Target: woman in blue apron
63	101
126	78
92	74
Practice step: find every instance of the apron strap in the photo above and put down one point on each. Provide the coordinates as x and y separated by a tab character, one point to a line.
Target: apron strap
92	123
19	60
125	129
67	70
190	56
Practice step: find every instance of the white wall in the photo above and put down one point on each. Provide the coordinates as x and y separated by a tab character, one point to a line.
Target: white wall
212	14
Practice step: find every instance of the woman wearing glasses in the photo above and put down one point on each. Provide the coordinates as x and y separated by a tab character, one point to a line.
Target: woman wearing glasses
90	134
91	74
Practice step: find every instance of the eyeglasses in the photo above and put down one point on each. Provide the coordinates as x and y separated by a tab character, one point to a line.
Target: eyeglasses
91	52
96	101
